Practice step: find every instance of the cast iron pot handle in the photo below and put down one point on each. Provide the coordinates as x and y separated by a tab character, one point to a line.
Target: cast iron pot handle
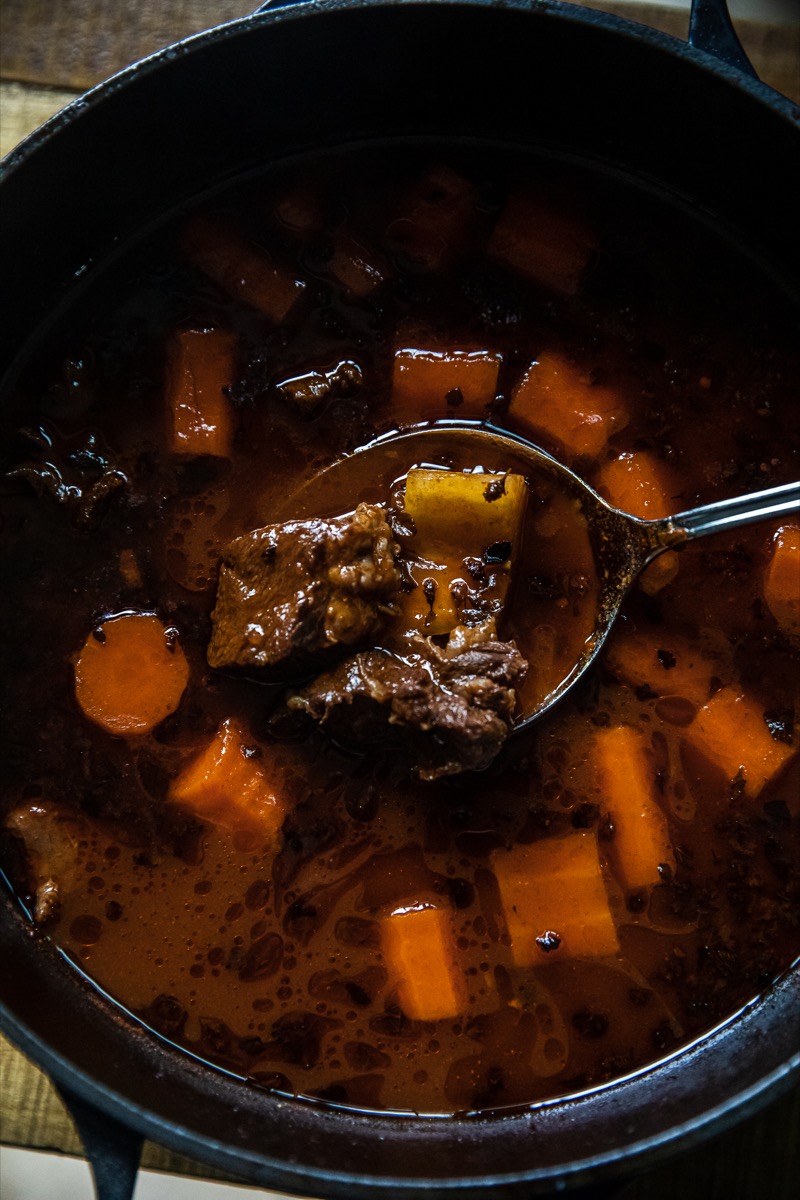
710	29
113	1149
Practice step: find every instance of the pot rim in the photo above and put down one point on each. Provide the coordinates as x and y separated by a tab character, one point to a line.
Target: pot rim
280	1172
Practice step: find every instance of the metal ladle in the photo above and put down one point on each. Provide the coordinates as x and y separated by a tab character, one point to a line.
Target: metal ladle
623	545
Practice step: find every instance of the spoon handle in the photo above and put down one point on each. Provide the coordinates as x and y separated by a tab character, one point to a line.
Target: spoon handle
725	514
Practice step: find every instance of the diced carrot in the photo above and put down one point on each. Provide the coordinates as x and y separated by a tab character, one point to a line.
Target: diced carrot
200	366
458	515
129	569
354	267
557	398
731	732
668	666
243	270
782	580
226	785
555	901
300	210
130	674
434	218
640	484
419	948
443	383
641	842
537	238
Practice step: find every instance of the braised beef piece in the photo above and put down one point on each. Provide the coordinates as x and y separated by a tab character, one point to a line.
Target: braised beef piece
289	594
50	836
453	706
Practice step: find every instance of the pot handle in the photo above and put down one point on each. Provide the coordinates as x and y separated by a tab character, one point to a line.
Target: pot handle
113	1150
710	29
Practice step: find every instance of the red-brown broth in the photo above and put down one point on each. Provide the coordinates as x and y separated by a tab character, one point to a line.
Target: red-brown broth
266	959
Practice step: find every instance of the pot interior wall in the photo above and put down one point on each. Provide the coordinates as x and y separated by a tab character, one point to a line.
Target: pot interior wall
229	102
233	99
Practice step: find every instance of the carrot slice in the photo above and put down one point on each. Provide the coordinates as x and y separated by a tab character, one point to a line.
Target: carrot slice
641	844
430	383
419	946
732	733
243	270
537	238
782	580
555	901
227	786
200	366
556	397
130	674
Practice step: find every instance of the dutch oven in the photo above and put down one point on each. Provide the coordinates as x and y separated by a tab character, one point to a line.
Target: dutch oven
693	121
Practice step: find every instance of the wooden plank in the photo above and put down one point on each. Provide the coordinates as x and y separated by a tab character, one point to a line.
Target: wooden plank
24	108
76	43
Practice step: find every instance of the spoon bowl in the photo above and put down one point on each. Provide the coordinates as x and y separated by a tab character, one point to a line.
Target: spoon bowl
622	545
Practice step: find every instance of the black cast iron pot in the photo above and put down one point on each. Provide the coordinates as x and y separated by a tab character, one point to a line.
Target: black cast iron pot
693	121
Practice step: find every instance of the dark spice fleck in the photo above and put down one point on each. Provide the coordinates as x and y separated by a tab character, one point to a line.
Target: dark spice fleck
498	552
667	659
548	941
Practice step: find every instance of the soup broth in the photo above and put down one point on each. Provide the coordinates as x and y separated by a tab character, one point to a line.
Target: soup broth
334	907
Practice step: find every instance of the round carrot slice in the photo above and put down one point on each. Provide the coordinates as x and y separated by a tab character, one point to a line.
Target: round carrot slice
130	674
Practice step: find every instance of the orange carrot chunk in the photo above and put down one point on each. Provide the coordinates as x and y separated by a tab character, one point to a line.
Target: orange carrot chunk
243	270
354	267
732	733
443	383
537	238
641	844
782	580
557	398
226	785
555	901
668	666
419	948
200	366
640	484
435	218
130	674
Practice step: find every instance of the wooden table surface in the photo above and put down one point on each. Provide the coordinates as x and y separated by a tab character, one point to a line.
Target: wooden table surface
49	52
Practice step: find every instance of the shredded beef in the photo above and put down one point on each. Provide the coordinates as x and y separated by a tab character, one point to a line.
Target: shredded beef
452	706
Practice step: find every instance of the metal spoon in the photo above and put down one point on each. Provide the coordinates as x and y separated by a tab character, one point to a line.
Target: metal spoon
623	545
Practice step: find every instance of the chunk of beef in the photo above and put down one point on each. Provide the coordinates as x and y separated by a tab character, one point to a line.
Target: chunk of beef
288	594
307	392
50	837
452	706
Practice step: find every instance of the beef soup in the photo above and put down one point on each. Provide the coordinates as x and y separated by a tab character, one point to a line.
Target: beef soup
261	779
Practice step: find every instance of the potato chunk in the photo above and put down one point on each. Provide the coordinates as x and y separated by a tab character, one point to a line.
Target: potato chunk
555	901
419	946
468	528
226	786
